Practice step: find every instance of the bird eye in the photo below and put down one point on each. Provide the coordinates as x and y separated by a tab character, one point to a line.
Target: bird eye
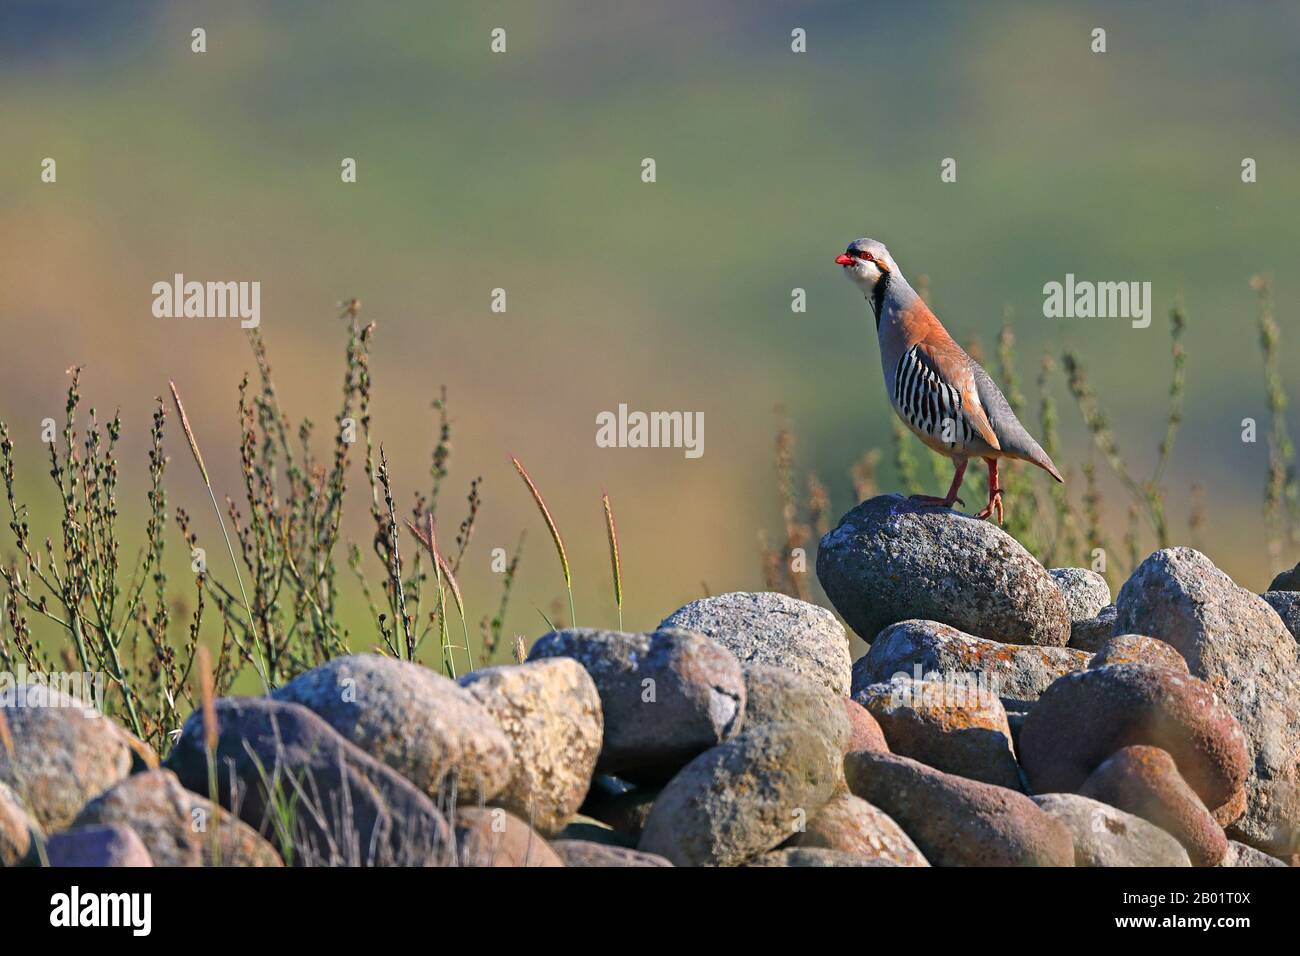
865	255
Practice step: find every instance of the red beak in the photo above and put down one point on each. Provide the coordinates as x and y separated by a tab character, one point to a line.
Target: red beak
844	259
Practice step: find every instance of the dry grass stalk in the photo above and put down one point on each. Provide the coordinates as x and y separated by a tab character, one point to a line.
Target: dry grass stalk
259	649
615	562
555	533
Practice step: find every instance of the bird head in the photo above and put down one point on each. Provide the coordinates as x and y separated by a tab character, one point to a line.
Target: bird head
866	262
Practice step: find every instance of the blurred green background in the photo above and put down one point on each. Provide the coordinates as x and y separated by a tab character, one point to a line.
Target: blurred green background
522	171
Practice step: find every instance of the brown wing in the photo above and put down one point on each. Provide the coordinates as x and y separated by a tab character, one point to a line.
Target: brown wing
953	368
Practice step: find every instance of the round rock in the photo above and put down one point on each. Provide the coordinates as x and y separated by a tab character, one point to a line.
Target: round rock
928	650
1233	640
492	836
177	826
891	559
741	798
551	713
951	727
1137	649
956	821
851	825
1085	591
1085	717
666	696
1145	781
1107	836
97	846
64	752
416	721
771	628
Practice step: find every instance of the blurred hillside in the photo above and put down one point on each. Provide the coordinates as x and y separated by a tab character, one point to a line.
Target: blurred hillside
522	171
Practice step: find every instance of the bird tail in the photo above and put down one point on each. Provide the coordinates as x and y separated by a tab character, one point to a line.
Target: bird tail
1039	458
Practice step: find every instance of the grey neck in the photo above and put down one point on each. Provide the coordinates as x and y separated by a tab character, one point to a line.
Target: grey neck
892	292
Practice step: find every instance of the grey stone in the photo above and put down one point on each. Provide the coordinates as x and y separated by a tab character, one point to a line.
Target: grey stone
1287	605
1233	640
416	721
1092	633
770	628
666	696
741	798
348	809
891	560
1239	854
97	846
1107	836
928	650
177	826
815	856
1085	591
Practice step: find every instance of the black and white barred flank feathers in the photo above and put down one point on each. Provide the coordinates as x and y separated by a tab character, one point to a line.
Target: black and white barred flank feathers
926	401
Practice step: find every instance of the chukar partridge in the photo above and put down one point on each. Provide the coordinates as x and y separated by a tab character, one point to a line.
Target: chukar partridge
940	392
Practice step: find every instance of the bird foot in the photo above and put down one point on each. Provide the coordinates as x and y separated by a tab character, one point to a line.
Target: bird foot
995	504
935	500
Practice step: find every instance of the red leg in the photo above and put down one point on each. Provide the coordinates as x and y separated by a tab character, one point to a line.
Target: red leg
951	497
995	492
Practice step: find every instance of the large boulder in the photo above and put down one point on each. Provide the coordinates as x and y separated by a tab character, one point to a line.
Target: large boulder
96	846
928	650
851	825
741	798
891	559
666	696
947	726
1107	836
1234	641
1145	781
956	821
416	721
774	629
177	826
322	800
550	711
65	752
1086	716
1085	591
